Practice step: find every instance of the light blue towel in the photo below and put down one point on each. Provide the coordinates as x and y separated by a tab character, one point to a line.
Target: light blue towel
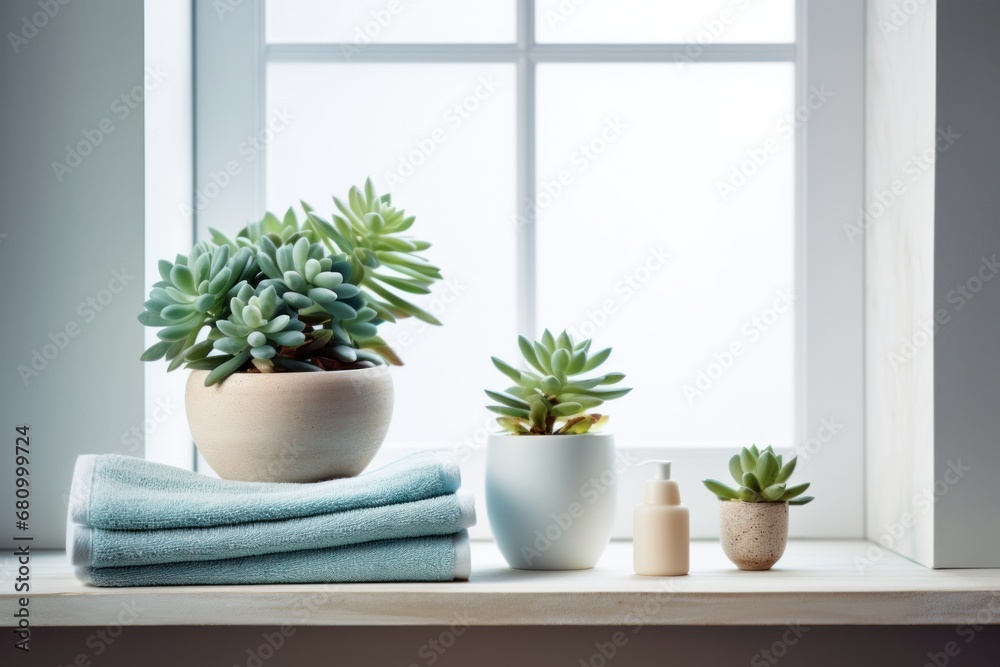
102	548
443	558
126	493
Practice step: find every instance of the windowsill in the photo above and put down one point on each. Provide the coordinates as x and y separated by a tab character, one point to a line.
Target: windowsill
817	582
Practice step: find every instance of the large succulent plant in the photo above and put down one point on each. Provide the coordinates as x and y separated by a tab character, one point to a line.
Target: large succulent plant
193	292
282	296
762	477
367	233
549	397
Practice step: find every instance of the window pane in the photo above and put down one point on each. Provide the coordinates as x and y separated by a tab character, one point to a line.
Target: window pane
360	22
441	138
665	21
632	160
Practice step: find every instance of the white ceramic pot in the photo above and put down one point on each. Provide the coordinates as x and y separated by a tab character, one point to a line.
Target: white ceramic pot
290	427
753	535
551	498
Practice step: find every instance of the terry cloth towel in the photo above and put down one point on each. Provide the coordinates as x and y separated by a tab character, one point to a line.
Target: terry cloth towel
127	493
103	548
442	558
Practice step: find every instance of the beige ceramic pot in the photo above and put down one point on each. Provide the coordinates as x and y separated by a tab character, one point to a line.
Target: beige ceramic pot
290	427
753	535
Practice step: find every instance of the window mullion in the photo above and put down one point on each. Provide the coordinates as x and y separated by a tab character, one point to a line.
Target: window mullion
526	253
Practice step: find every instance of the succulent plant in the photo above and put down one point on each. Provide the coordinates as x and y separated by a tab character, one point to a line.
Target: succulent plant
762	477
193	293
259	322
368	235
288	297
552	399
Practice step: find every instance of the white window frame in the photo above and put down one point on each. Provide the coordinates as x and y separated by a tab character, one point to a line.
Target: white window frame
230	61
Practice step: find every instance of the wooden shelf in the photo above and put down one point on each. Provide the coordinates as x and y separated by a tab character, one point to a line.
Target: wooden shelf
817	582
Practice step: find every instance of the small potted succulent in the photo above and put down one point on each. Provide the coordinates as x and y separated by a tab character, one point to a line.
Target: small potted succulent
550	477
279	326
754	517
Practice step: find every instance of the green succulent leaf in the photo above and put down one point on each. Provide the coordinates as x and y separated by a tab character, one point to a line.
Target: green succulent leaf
773	492
786	470
736	468
767	468
720	489
803	500
751	482
156	351
507	399
226	368
794	491
748	460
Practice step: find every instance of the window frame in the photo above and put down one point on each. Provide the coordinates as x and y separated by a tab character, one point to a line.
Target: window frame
230	63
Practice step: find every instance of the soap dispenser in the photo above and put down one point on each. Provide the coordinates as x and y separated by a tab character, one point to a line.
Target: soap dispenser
661	535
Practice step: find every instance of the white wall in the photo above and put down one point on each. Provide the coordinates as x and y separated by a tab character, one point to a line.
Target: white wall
72	249
899	251
933	308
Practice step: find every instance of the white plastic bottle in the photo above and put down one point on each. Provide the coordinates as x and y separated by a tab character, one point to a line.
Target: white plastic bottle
661	534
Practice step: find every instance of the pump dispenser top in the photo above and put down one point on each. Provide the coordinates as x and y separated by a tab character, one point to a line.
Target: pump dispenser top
661	541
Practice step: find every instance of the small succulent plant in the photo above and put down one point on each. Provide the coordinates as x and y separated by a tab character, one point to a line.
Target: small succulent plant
549	397
285	296
762	477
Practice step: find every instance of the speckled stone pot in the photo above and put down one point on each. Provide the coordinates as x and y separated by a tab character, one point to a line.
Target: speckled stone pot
753	535
290	427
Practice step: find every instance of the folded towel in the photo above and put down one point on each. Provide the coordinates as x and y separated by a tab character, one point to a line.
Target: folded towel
443	558
126	493
102	548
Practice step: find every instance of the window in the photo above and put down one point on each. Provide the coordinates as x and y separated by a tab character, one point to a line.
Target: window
640	172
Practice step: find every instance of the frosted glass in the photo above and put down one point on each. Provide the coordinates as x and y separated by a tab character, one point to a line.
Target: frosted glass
360	22
630	162
665	21
441	138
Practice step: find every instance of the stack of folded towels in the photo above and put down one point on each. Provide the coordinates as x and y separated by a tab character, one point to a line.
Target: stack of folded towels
137	523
